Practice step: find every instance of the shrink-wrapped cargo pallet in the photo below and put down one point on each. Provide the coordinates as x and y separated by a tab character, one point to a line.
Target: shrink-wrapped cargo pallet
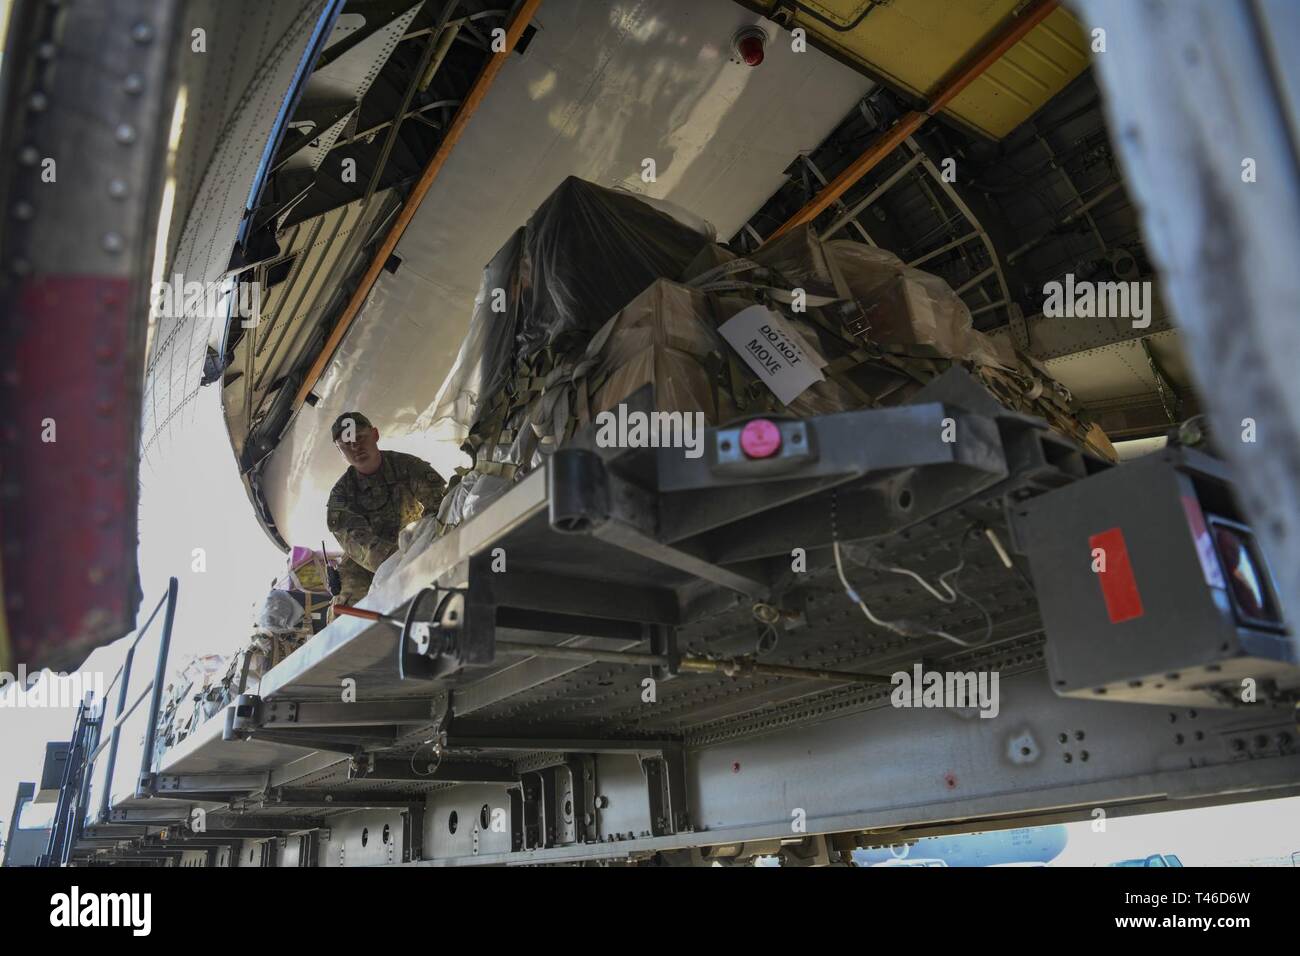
584	254
292	611
601	294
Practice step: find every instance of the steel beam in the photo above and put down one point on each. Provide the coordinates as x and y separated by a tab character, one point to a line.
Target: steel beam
224	835
197	783
149	815
254	826
865	202
849	218
959	241
890	139
337	742
1058	337
434	770
527	674
481	736
325	799
632	525
309	714
694	665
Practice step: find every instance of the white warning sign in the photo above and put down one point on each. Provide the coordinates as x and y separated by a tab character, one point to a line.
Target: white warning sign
777	353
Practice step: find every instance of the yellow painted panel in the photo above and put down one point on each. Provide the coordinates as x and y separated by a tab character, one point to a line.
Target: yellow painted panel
915	44
1026	77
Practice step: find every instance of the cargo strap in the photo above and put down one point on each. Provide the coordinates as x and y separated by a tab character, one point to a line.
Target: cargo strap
721	272
499	469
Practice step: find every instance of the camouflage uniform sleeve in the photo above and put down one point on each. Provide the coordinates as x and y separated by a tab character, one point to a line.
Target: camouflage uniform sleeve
427	485
354	534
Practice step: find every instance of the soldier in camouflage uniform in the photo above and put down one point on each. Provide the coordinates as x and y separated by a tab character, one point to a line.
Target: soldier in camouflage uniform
379	495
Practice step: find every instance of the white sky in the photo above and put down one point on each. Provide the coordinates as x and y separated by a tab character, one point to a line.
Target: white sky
1233	835
190	499
197	524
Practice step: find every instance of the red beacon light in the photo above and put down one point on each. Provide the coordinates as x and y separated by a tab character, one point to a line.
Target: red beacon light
748	45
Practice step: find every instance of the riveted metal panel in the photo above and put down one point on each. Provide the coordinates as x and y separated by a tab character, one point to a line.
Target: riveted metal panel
231	104
914	44
1041	759
360	839
465	834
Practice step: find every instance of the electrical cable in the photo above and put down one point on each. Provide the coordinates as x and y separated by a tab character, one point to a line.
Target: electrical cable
437	751
901	627
951	595
768	638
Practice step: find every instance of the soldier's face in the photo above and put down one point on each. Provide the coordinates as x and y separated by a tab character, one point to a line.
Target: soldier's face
363	453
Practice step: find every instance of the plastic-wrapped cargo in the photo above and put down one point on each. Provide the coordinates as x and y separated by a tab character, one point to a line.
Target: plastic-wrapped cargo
309	570
300	601
193	695
915	318
663	337
470	494
486	356
589	251
604	294
279	613
294	609
667	337
584	253
901	305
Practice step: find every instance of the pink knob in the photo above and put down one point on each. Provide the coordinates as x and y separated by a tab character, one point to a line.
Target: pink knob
760	439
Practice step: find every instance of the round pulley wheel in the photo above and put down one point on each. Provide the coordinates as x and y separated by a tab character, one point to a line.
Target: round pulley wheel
419	646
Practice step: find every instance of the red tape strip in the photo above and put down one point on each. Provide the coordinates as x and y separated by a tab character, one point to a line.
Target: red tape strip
1119	587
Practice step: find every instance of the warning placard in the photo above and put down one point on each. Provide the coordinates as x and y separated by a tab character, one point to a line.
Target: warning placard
777	353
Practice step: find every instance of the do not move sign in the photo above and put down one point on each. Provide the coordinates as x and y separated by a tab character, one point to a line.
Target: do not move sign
778	355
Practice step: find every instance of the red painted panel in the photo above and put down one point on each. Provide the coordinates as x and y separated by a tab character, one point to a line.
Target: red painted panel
1119	587
68	506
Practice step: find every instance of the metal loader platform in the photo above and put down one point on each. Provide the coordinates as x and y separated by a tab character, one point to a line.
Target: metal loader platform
603	656
645	551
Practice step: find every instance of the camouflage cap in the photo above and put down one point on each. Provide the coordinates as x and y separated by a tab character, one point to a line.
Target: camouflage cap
358	421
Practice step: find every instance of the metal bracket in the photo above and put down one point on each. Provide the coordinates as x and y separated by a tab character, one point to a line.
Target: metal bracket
283	798
434	769
666	787
330	726
413	833
518	831
287	715
242	716
212	784
663	641
857	320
